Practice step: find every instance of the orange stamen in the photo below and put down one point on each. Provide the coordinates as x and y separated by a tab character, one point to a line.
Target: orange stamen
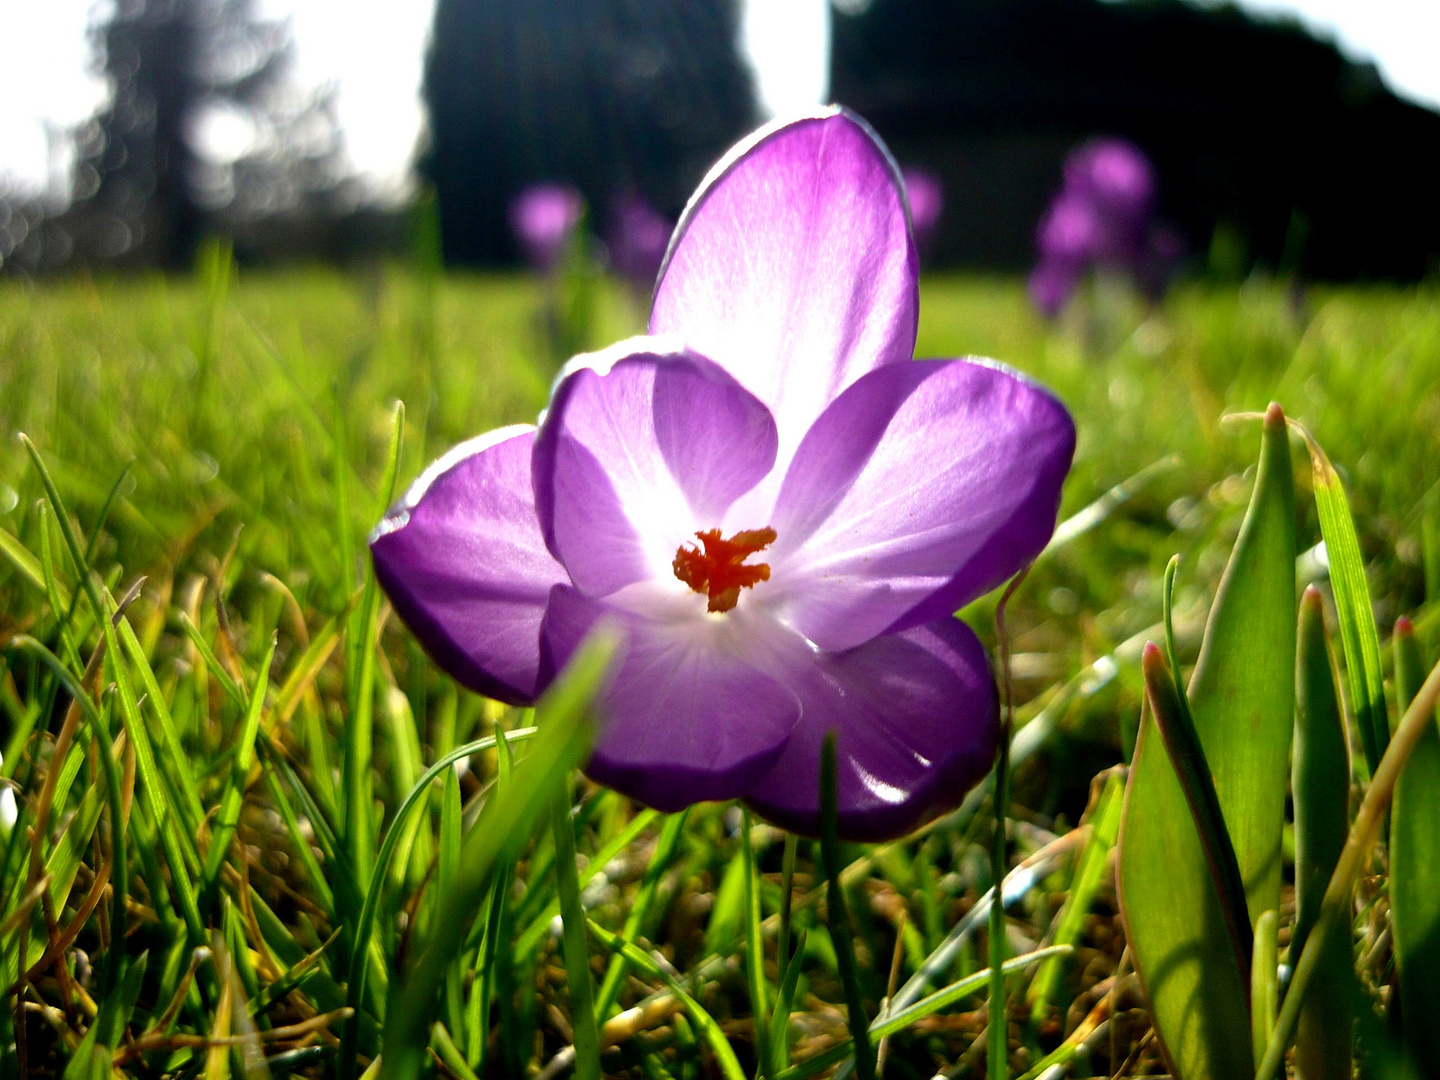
720	571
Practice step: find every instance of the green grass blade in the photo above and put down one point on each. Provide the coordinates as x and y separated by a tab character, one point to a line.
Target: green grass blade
1359	638
1335	909
228	817
172	756
1084	885
504	824
175	841
928	1006
1415	868
1320	780
785	1003
365	924
20	558
539	925
714	1036
839	916
755	953
1264	983
212	664
665	848
359	732
577	954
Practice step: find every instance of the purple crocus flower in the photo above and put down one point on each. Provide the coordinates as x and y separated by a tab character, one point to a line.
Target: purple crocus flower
637	239
1103	217
927	201
542	217
774	502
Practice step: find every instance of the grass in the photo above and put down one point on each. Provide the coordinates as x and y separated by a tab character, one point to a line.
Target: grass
232	442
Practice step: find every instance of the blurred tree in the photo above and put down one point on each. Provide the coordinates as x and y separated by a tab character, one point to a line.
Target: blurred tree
606	95
1265	138
203	129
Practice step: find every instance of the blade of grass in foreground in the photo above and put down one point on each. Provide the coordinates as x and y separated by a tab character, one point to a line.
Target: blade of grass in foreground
755	951
719	1045
1418	720
1359	638
1088	877
577	954
365	925
634	922
928	1006
1320	780
229	815
839	915
1415	869
506	821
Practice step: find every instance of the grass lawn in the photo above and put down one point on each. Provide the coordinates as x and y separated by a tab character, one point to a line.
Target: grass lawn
228	441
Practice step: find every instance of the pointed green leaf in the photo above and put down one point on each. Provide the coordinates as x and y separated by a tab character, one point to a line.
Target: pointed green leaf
1242	701
1320	782
1415	868
1358	635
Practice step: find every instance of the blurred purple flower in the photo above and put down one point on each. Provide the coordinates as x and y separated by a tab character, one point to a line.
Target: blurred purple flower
927	201
1103	217
777	504
637	239
542	218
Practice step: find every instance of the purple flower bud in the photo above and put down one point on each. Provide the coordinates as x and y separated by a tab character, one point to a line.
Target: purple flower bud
637	239
927	202
1114	175
542	218
1070	231
1052	283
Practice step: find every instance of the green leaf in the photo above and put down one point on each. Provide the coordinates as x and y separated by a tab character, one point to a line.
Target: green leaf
665	848
839	915
755	952
1415	868
504	824
1242	701
1264	982
1359	637
365	924
577	954
1320	781
897	1022
1084	885
1187	759
719	1045
228	816
1335	908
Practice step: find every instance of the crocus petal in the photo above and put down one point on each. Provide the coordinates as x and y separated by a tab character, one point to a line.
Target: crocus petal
638	452
688	716
462	559
923	486
793	266
915	717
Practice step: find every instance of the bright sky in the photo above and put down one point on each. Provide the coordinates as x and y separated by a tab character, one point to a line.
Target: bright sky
373	51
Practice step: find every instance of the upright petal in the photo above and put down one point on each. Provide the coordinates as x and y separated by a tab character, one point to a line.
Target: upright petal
916	721
636	454
462	559
688	716
793	266
922	487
